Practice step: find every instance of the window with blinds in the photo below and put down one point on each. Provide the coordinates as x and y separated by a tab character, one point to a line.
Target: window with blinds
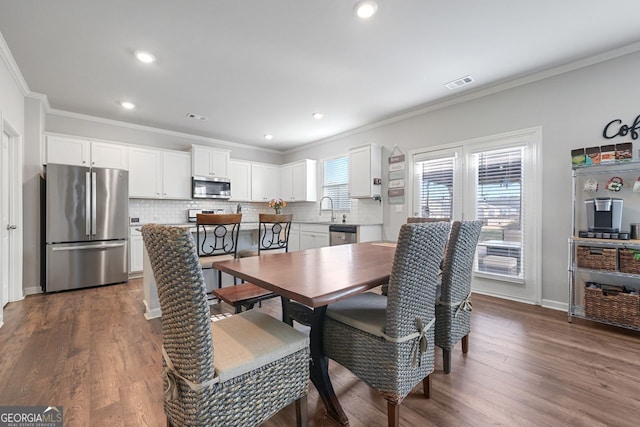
499	204
335	184
435	187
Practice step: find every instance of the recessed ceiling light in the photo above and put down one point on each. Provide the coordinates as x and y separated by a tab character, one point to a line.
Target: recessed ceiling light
317	115
128	105
145	57
366	9
268	136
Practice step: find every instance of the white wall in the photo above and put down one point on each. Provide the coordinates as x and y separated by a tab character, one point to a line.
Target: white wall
572	109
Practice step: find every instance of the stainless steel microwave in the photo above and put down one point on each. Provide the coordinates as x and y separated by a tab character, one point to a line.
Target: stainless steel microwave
210	188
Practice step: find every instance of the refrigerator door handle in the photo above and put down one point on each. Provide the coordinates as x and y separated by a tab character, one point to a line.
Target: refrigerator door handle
93	203
75	248
87	204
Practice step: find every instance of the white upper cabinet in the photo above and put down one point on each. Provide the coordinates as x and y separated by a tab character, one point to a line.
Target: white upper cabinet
209	162
64	150
265	182
157	174
240	176
176	175
299	181
365	164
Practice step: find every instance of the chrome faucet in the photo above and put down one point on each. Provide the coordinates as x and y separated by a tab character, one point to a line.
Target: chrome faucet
333	218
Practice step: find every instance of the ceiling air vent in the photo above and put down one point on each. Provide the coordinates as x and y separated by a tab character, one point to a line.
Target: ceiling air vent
196	116
462	81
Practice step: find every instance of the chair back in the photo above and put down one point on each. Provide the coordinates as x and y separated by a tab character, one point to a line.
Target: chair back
217	234
414	277
186	326
457	267
274	232
418	219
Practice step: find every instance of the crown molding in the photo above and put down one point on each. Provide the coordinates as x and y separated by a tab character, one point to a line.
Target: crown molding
42	98
159	131
10	62
481	92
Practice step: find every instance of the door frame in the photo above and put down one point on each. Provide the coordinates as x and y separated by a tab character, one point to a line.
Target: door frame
528	290
16	148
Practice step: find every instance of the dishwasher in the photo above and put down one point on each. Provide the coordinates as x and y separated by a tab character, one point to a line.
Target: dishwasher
342	234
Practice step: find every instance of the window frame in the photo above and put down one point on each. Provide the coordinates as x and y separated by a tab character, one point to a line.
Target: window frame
324	204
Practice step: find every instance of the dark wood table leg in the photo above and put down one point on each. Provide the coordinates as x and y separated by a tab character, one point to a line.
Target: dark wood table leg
320	368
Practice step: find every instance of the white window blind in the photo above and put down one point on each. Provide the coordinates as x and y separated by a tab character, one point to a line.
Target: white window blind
499	204
435	187
335	183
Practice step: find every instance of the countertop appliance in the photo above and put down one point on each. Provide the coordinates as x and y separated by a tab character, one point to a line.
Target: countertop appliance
342	234
85	218
604	214
191	213
203	187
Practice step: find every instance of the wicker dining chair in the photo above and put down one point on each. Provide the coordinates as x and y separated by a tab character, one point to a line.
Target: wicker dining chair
387	341
453	305
237	371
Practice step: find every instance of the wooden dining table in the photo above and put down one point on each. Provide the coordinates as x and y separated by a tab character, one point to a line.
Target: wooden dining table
313	279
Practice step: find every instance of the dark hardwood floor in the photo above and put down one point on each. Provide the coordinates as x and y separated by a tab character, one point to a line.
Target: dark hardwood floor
93	352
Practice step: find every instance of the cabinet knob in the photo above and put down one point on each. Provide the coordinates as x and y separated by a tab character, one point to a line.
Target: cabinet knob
84	161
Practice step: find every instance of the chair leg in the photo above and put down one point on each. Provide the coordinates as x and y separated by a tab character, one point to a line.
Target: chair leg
426	386
446	360
393	414
301	411
169	422
465	344
219	279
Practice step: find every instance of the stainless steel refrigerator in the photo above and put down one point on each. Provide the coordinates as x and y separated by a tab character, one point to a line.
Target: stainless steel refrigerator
86	226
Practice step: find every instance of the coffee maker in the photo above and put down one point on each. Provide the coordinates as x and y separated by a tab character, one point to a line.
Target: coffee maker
604	214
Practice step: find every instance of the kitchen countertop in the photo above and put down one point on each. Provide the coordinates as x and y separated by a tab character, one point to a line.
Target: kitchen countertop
254	225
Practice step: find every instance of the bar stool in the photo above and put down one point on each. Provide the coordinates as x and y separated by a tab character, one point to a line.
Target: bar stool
273	237
217	239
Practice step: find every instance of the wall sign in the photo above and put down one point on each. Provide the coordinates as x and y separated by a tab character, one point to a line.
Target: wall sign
616	128
395	192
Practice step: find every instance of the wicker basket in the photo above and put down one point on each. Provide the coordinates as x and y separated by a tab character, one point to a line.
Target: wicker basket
596	258
629	260
617	308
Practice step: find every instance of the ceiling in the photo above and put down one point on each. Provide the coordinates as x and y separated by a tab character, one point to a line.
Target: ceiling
256	67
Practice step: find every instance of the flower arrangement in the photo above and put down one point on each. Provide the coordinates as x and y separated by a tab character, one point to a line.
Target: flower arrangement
277	204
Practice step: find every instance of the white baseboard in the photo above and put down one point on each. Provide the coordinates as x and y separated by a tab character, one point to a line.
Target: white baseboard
496	295
32	290
151	314
555	305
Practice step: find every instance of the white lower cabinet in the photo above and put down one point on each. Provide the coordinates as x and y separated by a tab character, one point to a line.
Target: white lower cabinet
136	250
294	238
313	236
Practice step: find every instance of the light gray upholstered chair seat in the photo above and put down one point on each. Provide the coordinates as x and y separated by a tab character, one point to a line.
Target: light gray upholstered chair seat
238	371
388	342
453	305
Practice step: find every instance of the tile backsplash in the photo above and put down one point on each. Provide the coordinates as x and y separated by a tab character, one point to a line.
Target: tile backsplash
363	211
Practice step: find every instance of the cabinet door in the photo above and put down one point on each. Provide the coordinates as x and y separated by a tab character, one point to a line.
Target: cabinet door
310	240
176	175
201	160
219	163
286	183
105	155
68	151
145	173
240	176
265	182
136	251
359	172
365	164
294	240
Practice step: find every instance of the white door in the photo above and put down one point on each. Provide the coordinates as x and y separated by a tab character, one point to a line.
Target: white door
4	219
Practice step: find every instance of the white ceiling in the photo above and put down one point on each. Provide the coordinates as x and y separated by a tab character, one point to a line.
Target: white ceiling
257	67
